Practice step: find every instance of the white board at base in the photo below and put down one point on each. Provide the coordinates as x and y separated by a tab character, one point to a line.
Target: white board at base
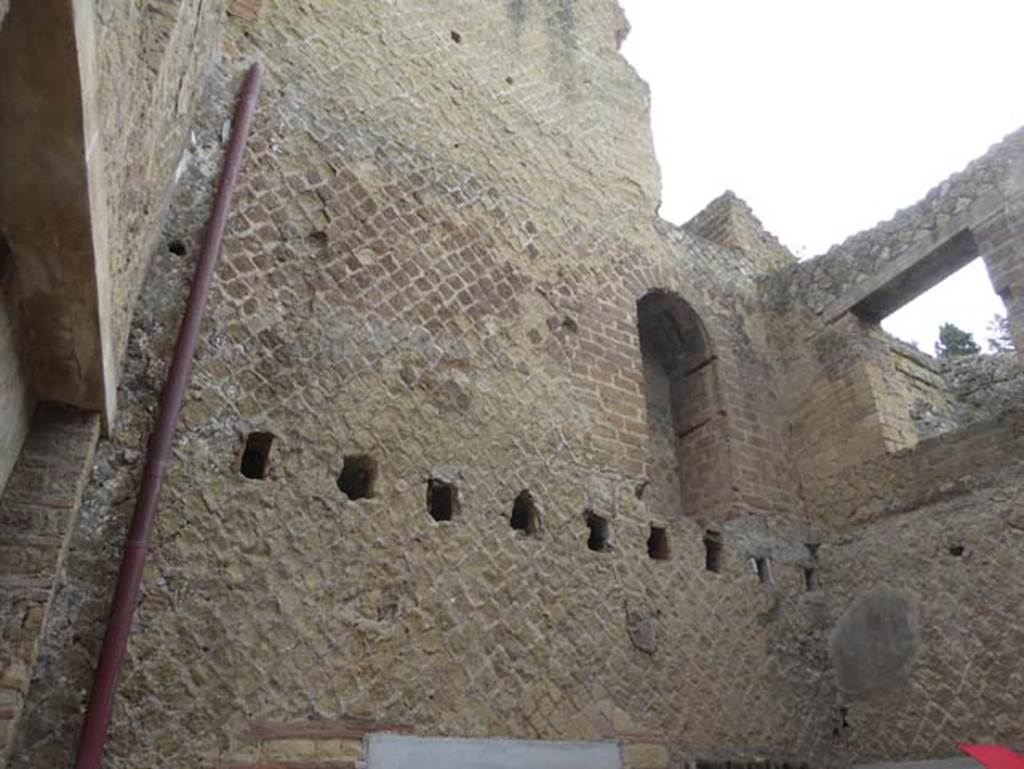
399	751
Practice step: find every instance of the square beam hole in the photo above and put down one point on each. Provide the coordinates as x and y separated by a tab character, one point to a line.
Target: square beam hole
256	456
657	544
600	532
811	581
525	517
713	551
358	476
442	499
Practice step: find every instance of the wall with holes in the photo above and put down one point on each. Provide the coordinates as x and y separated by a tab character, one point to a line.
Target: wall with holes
924	621
428	298
430	476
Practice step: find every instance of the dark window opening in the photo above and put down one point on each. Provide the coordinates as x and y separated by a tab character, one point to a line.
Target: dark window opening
763	565
657	544
811	578
456	37
256	455
956	550
177	247
713	551
599	532
442	499
525	517
358	476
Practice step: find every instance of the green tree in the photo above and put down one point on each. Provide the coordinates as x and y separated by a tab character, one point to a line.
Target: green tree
954	342
999	334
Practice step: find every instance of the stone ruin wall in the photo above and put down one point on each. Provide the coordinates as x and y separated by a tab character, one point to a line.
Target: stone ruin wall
910	468
88	168
933	543
145	67
440	272
848	400
729	221
444	223
168	47
989	184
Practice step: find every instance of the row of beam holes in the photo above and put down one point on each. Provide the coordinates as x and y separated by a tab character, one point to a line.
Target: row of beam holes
358	477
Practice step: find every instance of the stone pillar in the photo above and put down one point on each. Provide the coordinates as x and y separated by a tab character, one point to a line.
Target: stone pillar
1001	242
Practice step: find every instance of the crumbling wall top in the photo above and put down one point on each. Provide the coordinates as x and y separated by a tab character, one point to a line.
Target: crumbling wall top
961	201
729	221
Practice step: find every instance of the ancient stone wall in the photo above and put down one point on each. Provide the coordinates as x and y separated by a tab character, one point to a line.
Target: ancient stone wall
909	467
943	395
953	464
853	395
475	445
95	98
729	221
986	385
839	383
51	282
925	620
36	510
168	47
97	102
964	200
932	407
428	296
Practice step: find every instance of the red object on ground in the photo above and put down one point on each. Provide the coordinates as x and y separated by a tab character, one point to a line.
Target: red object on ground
993	756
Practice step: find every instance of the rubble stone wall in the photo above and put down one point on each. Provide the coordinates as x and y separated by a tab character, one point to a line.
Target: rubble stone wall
426	327
986	385
443	227
944	666
985	187
851	395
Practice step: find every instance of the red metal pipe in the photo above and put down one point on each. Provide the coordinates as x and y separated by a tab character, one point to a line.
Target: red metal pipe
126	593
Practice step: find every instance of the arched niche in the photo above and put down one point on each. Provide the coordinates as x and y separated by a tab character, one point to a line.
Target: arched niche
687	459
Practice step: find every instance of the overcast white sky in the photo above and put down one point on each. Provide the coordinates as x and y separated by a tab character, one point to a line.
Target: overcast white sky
827	116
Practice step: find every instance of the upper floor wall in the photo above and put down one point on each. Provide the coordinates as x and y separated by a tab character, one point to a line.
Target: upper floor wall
533	93
972	201
853	394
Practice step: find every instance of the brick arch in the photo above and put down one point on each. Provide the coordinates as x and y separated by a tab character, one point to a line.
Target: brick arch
687	461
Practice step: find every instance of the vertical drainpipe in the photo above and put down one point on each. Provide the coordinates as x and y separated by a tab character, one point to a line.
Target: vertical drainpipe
129	579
